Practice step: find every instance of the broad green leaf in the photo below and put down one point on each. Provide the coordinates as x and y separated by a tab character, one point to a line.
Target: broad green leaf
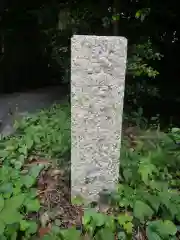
128	191
11	230
29	142
32	227
153	200
5	173
37	139
71	233
21	158
2	227
152	235
142	210
124	203
14	236
166	228
165	198
105	234
10	216
124	218
127	173
128	227
3	237
28	181
174	209
110	223
87	216
15	175
163	228
170	227
7	195
4	154
159	185
18	165
146	170
23	149
35	170
17	187
1	203
15	202
32	205
32	193
11	148
24	225
98	218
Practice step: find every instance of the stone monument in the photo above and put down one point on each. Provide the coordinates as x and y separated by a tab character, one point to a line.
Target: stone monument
98	65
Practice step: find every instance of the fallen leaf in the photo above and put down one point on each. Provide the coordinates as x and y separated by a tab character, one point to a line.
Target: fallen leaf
43	231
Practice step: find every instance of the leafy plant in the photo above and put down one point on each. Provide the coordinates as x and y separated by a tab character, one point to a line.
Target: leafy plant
138	60
44	133
147	198
16	201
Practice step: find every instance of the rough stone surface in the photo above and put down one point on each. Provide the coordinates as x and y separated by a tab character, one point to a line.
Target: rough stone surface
98	67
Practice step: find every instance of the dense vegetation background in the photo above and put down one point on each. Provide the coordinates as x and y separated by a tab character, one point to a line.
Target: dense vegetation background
35	46
35	160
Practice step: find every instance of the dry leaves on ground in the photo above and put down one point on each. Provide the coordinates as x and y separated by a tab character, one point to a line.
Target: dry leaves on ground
54	195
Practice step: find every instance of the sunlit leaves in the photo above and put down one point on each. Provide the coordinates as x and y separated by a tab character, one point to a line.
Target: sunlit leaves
142	13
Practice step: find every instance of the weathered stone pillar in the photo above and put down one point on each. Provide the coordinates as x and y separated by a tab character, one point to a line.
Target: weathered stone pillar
98	66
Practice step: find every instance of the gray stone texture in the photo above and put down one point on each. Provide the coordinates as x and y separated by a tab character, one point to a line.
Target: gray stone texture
98	65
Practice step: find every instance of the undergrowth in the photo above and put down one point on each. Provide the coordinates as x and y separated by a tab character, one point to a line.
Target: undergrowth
46	134
146	204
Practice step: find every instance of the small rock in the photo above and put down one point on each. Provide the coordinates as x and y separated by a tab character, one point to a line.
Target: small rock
44	219
56	172
58	222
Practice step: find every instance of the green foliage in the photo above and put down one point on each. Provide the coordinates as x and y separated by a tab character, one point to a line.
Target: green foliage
147	198
15	199
161	230
142	13
139	57
43	133
79	19
150	187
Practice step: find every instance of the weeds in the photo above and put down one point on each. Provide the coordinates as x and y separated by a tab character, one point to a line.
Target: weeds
45	134
146	204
